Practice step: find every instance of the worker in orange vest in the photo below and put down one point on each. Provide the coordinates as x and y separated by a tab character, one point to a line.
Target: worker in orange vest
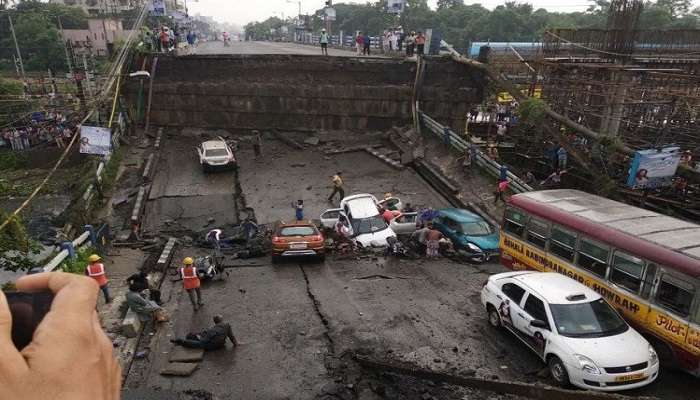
190	281
96	271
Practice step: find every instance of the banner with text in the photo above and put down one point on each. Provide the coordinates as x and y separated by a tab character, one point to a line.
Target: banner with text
95	140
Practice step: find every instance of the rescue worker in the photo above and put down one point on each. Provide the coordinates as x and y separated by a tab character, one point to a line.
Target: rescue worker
190	281
213	338
96	271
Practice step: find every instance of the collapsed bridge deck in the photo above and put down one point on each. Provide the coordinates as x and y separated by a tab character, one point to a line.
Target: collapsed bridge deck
296	92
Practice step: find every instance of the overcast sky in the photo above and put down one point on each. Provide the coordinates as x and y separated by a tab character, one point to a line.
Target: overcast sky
244	11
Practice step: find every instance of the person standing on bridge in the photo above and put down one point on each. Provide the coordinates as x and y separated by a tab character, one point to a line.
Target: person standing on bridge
337	187
420	43
164	40
359	42
324	39
191	283
367	42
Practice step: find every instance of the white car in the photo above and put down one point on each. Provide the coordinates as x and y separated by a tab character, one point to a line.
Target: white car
367	226
583	340
404	224
216	154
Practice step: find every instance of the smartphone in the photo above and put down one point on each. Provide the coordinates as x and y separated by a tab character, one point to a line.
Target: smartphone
27	309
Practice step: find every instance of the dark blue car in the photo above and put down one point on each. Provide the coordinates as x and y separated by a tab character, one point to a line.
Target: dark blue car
468	232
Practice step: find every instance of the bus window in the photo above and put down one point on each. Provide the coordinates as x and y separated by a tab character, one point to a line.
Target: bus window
562	243
627	271
537	232
515	222
649	276
696	319
675	295
593	257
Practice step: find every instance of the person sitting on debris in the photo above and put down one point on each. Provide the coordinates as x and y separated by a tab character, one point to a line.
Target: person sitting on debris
213	338
140	282
145	309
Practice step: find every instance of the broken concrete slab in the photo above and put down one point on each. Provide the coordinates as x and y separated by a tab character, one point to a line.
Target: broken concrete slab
313	140
179	369
185	355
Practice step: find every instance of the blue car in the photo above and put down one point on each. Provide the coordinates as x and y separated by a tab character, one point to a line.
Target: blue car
468	232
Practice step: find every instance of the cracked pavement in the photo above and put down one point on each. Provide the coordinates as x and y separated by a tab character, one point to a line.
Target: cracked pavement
297	321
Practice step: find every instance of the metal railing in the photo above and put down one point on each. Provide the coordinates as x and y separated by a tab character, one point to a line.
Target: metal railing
94	236
460	144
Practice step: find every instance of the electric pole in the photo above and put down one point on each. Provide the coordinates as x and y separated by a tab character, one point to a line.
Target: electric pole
65	47
14	37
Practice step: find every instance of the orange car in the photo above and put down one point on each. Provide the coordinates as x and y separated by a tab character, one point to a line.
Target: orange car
298	239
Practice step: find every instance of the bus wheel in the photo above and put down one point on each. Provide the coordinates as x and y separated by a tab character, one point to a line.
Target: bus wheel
494	318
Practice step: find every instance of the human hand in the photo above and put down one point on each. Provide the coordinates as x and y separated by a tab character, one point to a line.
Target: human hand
70	357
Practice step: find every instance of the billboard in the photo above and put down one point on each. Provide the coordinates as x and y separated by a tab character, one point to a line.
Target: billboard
395	6
95	140
157	8
654	168
330	13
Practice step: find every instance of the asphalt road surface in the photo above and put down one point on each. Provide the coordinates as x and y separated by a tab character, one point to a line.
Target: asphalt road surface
296	320
183	198
265	48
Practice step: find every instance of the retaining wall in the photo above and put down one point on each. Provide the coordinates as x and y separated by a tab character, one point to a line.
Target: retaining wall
296	92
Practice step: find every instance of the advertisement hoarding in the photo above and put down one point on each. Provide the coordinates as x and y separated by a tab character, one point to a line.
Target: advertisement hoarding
95	140
654	168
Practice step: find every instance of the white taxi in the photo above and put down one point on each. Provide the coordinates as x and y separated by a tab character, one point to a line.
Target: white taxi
583	340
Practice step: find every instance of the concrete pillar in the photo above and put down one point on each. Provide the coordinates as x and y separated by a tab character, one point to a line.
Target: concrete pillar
614	105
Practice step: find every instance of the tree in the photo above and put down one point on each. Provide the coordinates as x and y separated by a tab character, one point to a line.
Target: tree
15	246
446	4
39	41
675	7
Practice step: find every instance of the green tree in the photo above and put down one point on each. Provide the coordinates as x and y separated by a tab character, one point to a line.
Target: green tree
446	4
15	246
675	7
39	41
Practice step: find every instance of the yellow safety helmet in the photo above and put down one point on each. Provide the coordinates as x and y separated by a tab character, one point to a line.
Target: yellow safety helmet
94	258
188	261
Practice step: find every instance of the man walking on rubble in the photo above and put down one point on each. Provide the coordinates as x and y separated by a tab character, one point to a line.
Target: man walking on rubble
337	187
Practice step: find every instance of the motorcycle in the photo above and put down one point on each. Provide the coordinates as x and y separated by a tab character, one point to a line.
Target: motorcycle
210	268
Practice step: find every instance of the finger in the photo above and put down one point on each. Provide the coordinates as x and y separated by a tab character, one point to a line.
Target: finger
72	293
106	358
110	365
11	361
116	380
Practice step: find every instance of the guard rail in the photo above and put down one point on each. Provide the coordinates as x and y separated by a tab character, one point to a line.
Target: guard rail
460	144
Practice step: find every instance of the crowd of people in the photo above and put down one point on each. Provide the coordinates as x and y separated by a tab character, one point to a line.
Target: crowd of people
392	40
51	127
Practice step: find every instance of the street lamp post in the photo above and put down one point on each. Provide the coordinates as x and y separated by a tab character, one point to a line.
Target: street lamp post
298	17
